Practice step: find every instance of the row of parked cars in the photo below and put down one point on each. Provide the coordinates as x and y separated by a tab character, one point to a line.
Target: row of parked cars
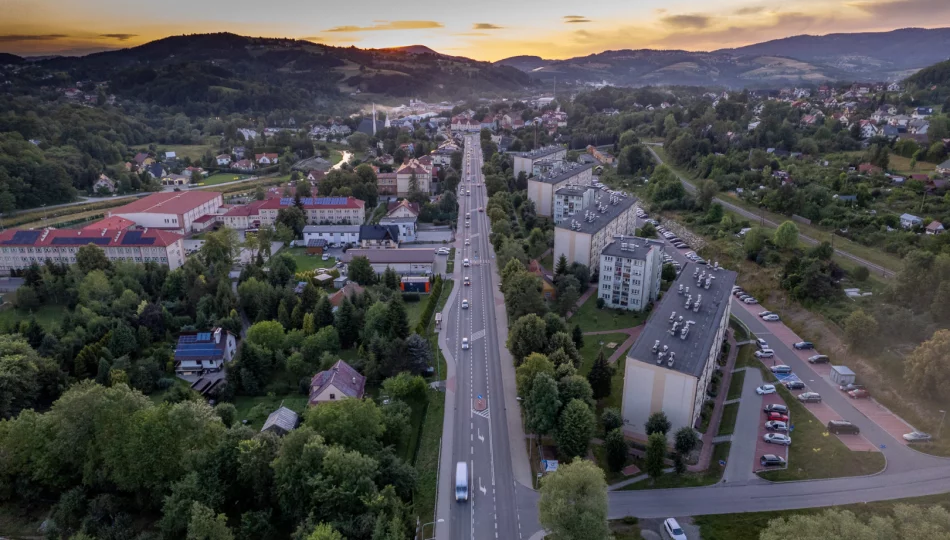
675	240
743	296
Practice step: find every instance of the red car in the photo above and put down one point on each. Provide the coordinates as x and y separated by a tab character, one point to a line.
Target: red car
859	393
778	416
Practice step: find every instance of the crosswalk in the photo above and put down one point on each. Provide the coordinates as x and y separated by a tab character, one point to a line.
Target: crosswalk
483	414
478	335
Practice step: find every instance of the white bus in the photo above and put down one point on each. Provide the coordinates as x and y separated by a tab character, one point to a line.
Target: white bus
461	481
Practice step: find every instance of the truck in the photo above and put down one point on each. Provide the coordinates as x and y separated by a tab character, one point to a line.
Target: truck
461	481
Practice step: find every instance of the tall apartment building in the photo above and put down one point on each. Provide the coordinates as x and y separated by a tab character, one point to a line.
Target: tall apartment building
670	365
571	200
630	270
525	161
582	238
541	188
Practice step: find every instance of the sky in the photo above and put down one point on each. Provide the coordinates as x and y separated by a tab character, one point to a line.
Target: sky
497	29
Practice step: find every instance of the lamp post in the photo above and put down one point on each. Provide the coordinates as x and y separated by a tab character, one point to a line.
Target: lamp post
943	416
430	523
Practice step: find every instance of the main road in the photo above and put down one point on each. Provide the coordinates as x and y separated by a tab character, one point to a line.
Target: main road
482	424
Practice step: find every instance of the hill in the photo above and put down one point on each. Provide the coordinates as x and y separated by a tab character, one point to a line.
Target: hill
931	84
794	60
10	59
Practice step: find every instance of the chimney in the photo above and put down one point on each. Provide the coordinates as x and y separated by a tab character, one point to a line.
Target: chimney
217	335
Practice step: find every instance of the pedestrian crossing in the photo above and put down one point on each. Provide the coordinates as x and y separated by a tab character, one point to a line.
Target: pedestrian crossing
478	335
483	414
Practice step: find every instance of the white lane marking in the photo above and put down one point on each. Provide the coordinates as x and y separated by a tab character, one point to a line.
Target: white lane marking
481	487
480	436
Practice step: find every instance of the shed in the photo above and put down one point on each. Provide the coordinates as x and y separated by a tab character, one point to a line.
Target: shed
281	421
842	375
339	282
323	280
315	246
415	284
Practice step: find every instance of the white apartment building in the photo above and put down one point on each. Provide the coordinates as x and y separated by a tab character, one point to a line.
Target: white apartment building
630	272
525	161
582	238
542	187
333	234
571	200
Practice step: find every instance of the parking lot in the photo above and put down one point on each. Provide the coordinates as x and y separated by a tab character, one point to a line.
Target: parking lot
762	447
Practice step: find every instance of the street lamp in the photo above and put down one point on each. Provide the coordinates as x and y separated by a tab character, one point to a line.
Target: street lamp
430	523
942	418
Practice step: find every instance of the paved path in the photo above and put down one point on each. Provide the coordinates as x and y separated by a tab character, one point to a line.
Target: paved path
709	442
744	436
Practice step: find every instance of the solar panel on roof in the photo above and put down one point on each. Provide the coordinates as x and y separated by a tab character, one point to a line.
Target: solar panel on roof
204	336
24	237
80	241
135	237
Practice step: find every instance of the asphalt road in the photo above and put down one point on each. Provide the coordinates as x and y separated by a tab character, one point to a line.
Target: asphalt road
475	430
755	217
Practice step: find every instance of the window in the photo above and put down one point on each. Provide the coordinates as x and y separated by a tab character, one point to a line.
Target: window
332	396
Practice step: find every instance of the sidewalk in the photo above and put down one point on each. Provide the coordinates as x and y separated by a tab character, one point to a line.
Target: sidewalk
580	301
705	455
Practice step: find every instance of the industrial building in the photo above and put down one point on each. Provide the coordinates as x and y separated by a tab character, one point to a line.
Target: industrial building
405	261
171	211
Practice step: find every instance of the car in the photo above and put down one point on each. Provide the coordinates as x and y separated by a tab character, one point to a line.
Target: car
761	343
804	345
849	387
673	530
442	251
781	369
467	280
466	263
464	343
842	427
818	359
464	303
339	264
794	385
860	393
809	397
771	460
326	257
777	416
777	438
738	292
917	436
764	353
765	389
764	313
481	209
468	242
743	296
750	300
468	224
700	261
776	425
771	318
776	407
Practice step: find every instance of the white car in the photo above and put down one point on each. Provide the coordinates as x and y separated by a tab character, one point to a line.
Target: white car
764	313
765	389
765	353
772	318
464	343
325	257
761	343
466	263
465	304
443	251
776	425
468	242
777	438
673	529
750	300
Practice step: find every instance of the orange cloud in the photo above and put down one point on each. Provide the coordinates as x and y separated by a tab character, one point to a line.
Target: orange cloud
486	26
388	25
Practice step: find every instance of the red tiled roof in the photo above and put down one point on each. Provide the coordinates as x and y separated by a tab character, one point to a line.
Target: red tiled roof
116	237
244	209
268	156
172	202
113	222
347	291
205	218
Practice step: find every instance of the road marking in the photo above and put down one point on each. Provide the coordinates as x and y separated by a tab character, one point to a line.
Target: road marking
478	335
483	414
480	436
481	487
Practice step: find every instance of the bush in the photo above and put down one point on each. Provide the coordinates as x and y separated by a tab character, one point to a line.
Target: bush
411	297
861	273
600	303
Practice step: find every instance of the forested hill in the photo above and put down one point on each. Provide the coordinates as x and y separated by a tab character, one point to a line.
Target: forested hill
931	84
225	73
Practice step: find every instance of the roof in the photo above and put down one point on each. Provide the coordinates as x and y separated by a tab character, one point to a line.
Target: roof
205	218
100	237
201	346
114	222
611	211
316	243
342	376
249	209
282	418
631	247
563	175
314	229
388	220
411	206
573	190
540	152
843	370
944	165
171	202
935	226
379	232
909	217
348	290
383	256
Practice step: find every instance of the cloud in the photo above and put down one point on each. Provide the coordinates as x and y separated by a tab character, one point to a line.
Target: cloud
750	10
388	25
472	34
120	37
13	38
687	21
573	19
660	11
903	8
486	26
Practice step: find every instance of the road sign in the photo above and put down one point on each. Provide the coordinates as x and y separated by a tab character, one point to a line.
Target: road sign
883	446
722	463
479	396
791	428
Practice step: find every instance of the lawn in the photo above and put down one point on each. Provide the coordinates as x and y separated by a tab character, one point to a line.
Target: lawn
901	165
671	480
450	263
192	151
45	315
735	385
625	529
308	262
255	417
592	319
728	424
220	178
816	454
592	347
427	458
414	309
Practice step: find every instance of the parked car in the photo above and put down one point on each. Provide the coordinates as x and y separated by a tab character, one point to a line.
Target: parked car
442	251
764	353
819	359
795	385
673	530
761	343
764	313
771	460
781	369
842	427
809	397
917	436
777	416
776	407
849	387
777	438
765	389
804	345
775	425
750	300
738	292
771	318
860	393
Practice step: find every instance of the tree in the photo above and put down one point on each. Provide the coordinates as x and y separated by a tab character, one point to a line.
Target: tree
267	334
669	272
685	440
347	323
658	423
656	454
567	299
227	412
616	448
358	141
527	335
575	429
293	218
356	424
786	236
573	503
323	313
927	368
754	242
390	279
525	374
405	387
91	257
360	271
861	273
324	531
397	318
419	353
907	523
542	405
611	419
561	267
648	231
600	376
578	336
706	192
523	295
205	525
860	329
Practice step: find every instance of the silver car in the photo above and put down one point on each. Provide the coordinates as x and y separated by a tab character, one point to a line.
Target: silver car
777	438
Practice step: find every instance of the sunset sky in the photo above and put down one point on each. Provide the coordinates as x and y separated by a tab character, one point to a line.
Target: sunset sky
496	29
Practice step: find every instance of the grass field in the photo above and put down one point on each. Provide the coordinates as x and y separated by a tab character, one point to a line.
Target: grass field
735	385
427	458
308	262
45	315
592	347
221	178
592	319
191	151
728	424
414	309
670	480
901	165
246	407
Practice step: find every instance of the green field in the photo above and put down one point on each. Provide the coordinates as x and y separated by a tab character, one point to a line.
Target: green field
45	315
427	458
414	309
592	348
735	385
191	151
221	178
728	424
308	262
592	319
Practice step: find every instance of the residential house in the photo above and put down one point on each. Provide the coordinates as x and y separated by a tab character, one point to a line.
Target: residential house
195	173
173	179
200	357
171	156
348	290
944	168
386	183
909	221
239	152
405	225
143	160
379	236
103	184
339	382
155	170
266	159
245	165
413	170
223	160
281	422
402	208
316	176
935	227
630	270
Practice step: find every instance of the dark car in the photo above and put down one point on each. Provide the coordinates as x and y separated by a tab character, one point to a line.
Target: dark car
809	397
804	345
771	460
843	427
860	393
776	407
819	359
795	385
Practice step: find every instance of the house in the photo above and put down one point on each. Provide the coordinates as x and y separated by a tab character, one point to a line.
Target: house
402	208
909	221
103	184
155	170
170	156
245	165
223	160
265	159
935	227
339	382
405	261
349	289
195	173
175	180
334	234
416	171
143	160
548	289
379	236
944	168
316	176
405	225
316	246
200	358
239	151
281	422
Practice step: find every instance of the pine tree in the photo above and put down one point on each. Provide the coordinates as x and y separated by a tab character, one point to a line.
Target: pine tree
616	448
283	315
600	375
323	313
347	323
308	326
561	267
656	453
390	279
397	318
578	336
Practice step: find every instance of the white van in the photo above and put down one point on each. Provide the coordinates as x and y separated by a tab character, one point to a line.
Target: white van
461	481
